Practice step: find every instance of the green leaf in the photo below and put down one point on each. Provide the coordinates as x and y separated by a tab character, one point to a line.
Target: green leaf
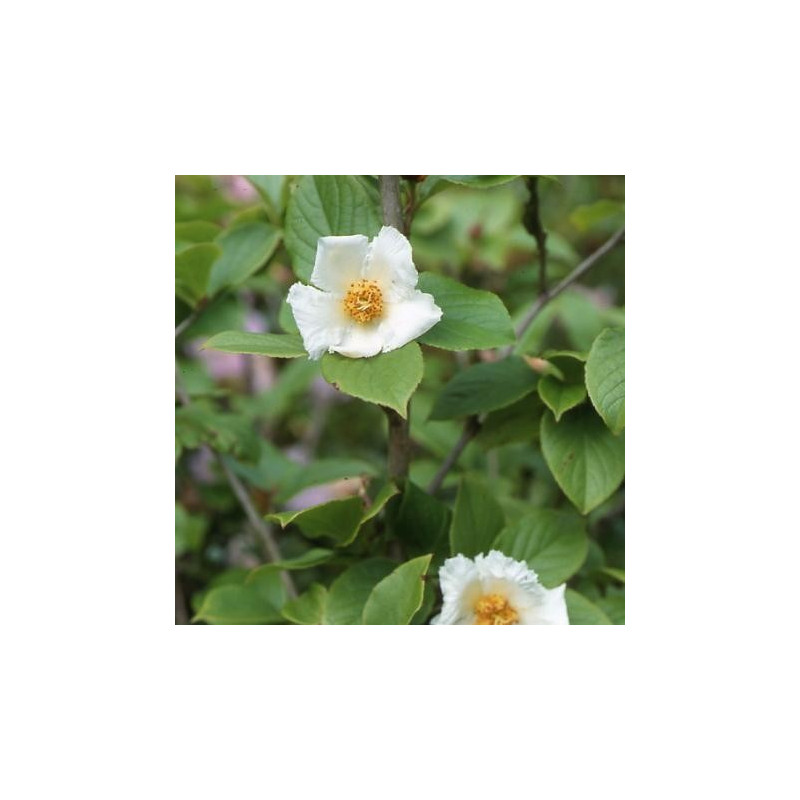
614	607
222	312
328	205
423	613
235	576
244	249
338	520
395	600
558	355
349	592
270	469
230	577
196	380
438	439
575	314
257	603
586	459
485	387
584	612
311	558
276	345
471	319
559	396
198	424
544	368
568	364
248	215
291	386
196	232
384	495
518	422
270	188
602	214
595	558
564	387
192	269
286	318
605	377
477	519
479	181
388	379
614	572
190	530
583	318
430	186
309	608
553	543
419	520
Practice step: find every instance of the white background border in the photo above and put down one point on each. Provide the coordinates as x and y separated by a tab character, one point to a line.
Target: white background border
104	696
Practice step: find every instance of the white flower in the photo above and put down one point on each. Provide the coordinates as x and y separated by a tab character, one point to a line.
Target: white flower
497	590
365	302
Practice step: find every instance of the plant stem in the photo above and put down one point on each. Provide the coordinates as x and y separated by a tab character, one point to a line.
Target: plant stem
399	455
390	201
533	223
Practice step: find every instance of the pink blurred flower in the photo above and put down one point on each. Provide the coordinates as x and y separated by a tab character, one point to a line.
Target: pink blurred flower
315	495
233	367
238	188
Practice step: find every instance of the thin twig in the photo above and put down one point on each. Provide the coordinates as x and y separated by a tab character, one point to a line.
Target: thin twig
242	495
471	428
270	545
579	271
532	221
472	424
188	321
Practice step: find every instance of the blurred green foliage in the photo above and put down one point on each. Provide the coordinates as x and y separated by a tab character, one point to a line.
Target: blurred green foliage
295	442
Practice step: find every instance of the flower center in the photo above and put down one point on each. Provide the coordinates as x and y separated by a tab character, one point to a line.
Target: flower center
364	301
493	609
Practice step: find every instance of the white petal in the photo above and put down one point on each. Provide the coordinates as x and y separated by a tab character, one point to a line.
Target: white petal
407	319
550	610
498	565
454	576
319	316
339	262
359	341
389	262
450	615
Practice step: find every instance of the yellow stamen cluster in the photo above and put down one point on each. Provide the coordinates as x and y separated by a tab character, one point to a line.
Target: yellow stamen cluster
493	609
364	301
